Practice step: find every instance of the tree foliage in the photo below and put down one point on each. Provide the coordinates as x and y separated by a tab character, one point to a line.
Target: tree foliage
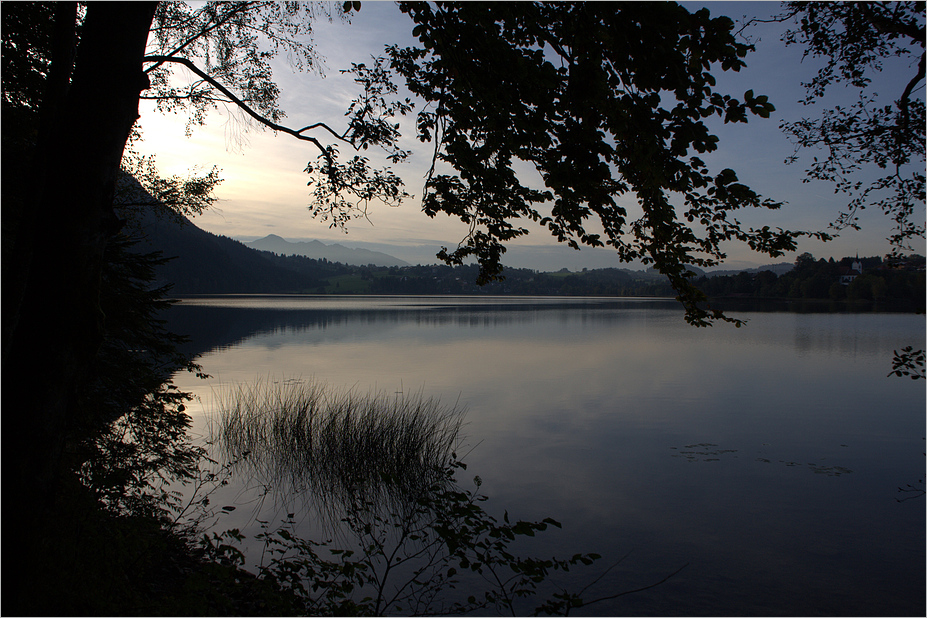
603	103
233	43
608	106
880	136
26	43
101	431
873	137
74	75
225	49
217	55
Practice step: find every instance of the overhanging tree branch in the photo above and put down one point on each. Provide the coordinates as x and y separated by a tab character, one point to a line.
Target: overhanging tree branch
855	40
245	107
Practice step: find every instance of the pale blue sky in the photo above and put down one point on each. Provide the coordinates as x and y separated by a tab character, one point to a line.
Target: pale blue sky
265	191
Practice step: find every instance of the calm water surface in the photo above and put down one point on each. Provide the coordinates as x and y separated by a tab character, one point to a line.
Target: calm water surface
767	458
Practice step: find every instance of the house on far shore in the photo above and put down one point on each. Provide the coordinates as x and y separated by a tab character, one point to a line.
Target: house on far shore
848	273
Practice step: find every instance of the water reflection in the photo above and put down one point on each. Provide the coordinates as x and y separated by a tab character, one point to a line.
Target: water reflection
380	473
225	321
576	408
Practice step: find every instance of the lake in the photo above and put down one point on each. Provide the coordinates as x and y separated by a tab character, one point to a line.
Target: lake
766	458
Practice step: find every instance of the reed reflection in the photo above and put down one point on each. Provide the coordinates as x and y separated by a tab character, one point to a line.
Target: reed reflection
332	450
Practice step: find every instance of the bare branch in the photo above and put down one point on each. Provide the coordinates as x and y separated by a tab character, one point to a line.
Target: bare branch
244	106
322	125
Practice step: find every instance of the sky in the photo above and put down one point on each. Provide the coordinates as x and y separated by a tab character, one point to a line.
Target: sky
264	187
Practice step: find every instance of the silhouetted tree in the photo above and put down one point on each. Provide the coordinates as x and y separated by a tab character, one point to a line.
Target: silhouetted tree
53	320
855	39
602	100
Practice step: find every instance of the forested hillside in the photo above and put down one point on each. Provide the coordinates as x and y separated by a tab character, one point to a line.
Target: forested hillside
204	263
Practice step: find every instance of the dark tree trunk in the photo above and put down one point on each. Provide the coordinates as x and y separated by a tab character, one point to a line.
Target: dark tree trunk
56	323
28	178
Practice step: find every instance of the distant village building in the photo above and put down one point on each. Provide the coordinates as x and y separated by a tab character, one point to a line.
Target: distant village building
848	273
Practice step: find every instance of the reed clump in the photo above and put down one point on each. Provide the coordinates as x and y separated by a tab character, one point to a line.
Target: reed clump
343	447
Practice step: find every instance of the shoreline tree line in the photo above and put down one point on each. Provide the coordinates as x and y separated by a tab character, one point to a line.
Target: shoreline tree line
809	279
880	280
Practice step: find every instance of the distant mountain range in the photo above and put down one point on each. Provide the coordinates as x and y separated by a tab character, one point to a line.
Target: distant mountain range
542	258
206	263
318	250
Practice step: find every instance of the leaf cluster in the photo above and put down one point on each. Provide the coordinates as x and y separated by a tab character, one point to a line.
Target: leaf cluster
25	63
607	105
343	191
909	362
854	39
140	187
227	48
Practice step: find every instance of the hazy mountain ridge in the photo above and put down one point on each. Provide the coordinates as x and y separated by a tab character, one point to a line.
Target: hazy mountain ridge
206	263
318	250
538	258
